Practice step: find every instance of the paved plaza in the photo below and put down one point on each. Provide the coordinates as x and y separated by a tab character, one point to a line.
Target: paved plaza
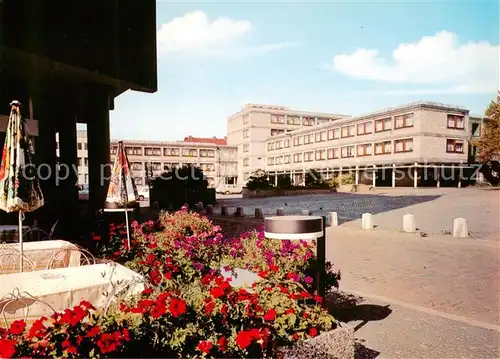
434	208
443	292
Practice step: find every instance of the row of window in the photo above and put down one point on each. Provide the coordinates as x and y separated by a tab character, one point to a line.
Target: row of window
361	150
298	120
363	128
168	151
158	166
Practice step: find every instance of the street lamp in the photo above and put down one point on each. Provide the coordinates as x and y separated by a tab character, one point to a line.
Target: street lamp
302	228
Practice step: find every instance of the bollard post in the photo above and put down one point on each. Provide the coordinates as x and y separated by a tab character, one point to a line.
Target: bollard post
223	211
280	212
409	223
305	212
367	221
334	219
239	212
258	213
460	229
321	260
210	209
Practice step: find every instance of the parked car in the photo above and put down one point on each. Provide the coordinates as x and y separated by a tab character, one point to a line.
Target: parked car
83	192
228	189
143	193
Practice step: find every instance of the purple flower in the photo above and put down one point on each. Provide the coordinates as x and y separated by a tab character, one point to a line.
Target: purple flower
308	280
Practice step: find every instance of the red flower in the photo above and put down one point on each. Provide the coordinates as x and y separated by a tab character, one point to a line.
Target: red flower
318	299
313	332
97	238
295	336
270	315
243	339
205	346
177	307
147	291
263	274
222	343
155	277
126	334
217	292
17	327
37	328
93	332
87	305
7	348
106	343
158	310
209	307
290	311
273	268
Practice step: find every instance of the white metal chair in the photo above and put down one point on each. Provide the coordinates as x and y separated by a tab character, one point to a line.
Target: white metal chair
17	301
71	255
9	260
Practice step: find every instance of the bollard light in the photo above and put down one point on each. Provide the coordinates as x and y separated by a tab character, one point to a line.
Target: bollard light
302	228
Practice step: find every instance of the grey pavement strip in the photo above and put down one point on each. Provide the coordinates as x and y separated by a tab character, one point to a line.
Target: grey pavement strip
457	318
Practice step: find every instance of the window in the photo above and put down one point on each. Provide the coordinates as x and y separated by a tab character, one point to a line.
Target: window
207	167
403	121
270	161
246	162
286	159
383	124
86	161
207	153
80	162
150	151
383	148
476	130
114	150
80	145
348	131
333	153
456	122
297	141
138	181
320	155
276	132
279	145
320	136
133	151
347	151
171	152
365	128
308	156
308	139
246	118
245	134
334	133
277	118
86	178
297	157
403	145
156	166
322	120
189	153
365	149
245	147
286	143
454	146
307	121
293	120
270	146
85	146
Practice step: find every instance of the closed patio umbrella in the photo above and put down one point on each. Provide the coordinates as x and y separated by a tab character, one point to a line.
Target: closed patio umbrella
122	192
19	185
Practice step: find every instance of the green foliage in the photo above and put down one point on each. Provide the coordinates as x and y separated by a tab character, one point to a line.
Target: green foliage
284	181
258	180
313	179
179	185
334	183
488	144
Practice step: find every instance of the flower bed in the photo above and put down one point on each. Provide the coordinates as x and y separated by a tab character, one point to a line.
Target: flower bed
189	309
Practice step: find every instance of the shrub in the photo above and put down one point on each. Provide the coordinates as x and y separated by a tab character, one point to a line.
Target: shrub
334	182
258	180
313	179
284	181
179	185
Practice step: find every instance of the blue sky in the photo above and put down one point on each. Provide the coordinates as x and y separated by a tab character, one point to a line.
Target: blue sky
338	57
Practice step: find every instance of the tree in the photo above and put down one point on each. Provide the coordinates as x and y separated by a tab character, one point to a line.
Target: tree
258	180
488	145
284	181
313	180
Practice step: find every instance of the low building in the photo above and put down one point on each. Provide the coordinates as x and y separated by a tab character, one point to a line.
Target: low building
417	144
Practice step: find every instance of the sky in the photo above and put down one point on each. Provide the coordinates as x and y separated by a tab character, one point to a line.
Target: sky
337	57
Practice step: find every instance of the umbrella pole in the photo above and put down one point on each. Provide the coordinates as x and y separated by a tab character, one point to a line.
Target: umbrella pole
20	235
128	230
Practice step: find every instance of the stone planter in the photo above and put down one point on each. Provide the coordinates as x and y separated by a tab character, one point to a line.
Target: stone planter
347	188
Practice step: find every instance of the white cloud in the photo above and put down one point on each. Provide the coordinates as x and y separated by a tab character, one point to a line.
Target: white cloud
195	32
438	61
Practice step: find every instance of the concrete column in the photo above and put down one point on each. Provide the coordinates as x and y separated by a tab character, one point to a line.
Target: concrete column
276	180
415	175
357	175
340	174
67	174
393	175
97	117
460	177
438	171
374	176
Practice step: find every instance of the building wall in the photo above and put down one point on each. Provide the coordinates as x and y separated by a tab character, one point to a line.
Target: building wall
249	129
426	125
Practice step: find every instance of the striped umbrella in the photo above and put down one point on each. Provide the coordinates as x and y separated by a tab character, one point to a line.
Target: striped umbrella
122	191
19	185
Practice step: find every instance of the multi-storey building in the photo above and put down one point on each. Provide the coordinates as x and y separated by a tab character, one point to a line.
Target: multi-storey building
249	128
217	160
422	143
